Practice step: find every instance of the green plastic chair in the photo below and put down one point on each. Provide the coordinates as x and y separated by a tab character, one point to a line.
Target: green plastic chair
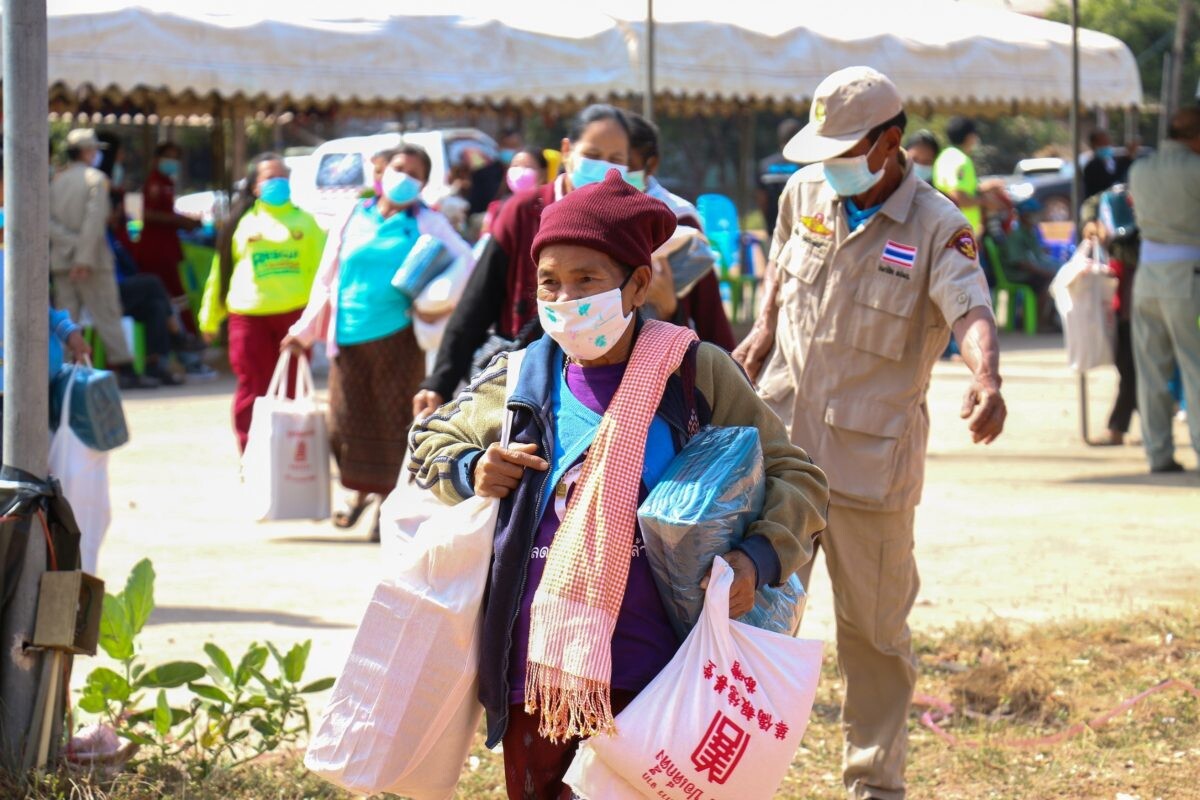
1012	293
100	359
193	272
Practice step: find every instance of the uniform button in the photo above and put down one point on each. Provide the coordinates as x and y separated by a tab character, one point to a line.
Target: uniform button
962	297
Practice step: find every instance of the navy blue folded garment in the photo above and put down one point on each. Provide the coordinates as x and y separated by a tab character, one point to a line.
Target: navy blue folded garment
427	259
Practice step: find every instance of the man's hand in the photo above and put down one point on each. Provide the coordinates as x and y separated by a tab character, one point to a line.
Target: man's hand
754	350
79	273
498	471
745	583
985	409
78	347
425	402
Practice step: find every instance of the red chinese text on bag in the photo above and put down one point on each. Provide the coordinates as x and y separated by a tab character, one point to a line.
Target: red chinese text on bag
738	699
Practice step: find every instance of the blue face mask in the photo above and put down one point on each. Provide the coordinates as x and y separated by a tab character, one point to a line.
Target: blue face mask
1104	152
506	156
636	179
593	170
1	218
275	191
169	167
400	187
850	177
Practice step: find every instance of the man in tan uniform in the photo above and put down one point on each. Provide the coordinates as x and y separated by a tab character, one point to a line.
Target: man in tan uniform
871	268
81	261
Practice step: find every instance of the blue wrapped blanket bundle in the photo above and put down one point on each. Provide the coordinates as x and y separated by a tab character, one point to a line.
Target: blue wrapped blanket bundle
428	259
700	508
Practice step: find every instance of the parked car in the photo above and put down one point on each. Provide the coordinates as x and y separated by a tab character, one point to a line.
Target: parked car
341	168
1049	180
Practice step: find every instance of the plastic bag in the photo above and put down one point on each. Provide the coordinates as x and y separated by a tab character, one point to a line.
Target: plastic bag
1083	293
691	258
405	709
738	700
700	508
97	416
286	463
427	259
442	293
82	472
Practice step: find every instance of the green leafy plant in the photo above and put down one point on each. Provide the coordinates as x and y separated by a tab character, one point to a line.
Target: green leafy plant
236	715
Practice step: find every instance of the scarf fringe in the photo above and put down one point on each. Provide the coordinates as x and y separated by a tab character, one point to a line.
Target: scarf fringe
571	707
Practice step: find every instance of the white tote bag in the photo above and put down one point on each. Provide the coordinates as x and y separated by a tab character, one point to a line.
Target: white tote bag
286	464
405	709
738	700
1083	293
83	474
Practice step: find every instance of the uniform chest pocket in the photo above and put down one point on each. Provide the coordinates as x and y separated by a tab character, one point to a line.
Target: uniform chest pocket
804	258
883	311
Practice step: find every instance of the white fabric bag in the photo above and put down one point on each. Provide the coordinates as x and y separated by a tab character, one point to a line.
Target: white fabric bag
286	463
405	709
440	298
738	700
1083	293
83	473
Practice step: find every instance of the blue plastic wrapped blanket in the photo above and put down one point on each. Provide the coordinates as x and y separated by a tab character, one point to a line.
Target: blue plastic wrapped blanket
427	259
700	508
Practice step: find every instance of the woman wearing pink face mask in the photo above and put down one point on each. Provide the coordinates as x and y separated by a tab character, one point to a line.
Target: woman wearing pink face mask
527	170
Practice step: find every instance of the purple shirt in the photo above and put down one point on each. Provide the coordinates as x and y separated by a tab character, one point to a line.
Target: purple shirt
644	640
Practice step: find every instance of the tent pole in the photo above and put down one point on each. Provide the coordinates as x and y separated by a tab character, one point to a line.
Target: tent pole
648	97
1076	199
26	379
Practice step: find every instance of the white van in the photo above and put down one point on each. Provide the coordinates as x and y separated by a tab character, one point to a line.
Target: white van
340	169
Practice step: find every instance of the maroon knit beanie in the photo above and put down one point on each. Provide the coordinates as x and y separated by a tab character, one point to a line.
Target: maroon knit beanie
610	216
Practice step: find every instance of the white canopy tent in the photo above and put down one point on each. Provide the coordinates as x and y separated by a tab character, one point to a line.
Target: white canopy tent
367	52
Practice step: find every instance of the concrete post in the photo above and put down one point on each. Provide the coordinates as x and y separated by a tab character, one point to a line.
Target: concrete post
26	304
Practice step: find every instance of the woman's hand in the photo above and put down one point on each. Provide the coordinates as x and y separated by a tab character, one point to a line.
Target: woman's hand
292	345
78	347
498	471
745	583
661	294
425	402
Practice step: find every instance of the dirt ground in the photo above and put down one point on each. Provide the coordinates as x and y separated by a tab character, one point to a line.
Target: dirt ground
1036	527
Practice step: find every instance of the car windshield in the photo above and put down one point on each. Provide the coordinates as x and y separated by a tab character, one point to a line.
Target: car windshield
340	170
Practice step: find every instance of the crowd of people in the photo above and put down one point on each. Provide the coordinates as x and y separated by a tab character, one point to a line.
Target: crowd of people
874	261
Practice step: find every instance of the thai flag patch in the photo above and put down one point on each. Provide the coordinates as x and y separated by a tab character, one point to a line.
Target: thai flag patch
899	255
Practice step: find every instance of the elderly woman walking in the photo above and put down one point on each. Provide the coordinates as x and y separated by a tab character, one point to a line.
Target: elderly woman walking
376	363
573	625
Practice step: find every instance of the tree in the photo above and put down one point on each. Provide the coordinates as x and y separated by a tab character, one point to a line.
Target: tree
1148	27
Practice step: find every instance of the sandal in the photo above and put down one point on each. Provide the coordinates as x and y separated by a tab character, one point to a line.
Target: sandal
348	517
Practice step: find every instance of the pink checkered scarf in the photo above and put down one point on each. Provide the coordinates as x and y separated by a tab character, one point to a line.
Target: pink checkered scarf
575	607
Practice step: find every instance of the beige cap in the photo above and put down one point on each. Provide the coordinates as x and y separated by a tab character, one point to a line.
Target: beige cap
845	107
85	137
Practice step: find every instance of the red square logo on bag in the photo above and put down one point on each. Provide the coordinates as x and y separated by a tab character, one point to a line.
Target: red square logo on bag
301	455
721	749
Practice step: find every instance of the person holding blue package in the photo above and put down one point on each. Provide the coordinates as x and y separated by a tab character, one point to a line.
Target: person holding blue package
573	623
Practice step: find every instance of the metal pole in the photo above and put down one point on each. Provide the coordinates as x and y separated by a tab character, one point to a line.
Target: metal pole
1178	56
1077	176
648	97
26	301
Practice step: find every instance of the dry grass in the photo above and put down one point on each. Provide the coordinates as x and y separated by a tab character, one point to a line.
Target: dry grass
1005	684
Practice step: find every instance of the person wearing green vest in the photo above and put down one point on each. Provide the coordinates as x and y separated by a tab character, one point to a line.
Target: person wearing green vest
954	171
267	256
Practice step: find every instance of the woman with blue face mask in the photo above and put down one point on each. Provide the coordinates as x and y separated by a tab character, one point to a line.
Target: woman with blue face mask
376	363
267	255
501	297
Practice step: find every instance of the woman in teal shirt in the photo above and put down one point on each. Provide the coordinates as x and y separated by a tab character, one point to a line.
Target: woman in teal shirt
376	364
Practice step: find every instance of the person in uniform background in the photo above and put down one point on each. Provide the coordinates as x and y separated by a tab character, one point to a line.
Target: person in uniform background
773	173
954	171
267	256
1166	295
923	149
158	250
81	262
700	308
870	270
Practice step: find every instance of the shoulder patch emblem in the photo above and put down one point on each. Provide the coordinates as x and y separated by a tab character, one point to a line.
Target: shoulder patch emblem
816	224
964	242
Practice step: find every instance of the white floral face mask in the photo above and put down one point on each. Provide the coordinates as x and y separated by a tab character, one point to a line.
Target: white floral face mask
588	327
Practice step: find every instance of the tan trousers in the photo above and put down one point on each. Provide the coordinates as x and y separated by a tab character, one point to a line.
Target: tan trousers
869	555
99	295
